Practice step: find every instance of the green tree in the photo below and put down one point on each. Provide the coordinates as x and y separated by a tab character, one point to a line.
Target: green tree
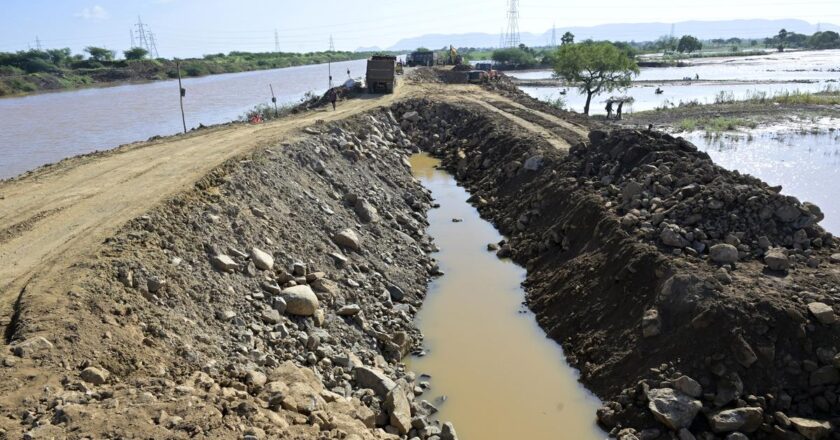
782	39
595	68
567	38
135	53
513	56
824	40
689	44
100	53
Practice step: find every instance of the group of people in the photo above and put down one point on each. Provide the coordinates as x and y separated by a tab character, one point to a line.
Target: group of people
609	108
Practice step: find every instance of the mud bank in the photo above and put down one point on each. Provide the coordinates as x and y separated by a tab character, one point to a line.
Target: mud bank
275	300
698	302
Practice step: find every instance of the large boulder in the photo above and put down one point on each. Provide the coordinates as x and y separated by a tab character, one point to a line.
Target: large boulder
367	377
366	211
396	402
746	419
300	300
723	253
811	429
348	239
674	409
823	312
223	263
263	260
776	259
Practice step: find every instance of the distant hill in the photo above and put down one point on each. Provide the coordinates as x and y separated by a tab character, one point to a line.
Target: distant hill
625	32
369	49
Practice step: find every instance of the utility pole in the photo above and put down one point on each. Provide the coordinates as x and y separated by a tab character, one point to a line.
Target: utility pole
273	100
329	60
512	39
181	92
38	43
276	41
332	44
553	36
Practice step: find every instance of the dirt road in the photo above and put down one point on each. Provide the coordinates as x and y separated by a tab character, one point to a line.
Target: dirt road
51	219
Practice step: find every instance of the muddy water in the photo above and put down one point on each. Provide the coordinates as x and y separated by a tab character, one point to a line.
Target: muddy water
502	377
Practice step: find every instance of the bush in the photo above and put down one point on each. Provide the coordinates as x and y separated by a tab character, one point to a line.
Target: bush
513	56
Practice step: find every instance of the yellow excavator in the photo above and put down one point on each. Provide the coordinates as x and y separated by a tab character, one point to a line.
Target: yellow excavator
454	58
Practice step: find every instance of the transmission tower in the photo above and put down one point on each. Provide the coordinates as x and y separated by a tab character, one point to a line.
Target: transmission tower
553	35
37	43
512	34
153	52
332	44
276	41
142	39
131	34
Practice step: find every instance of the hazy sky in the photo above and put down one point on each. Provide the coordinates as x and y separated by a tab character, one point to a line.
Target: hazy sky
196	27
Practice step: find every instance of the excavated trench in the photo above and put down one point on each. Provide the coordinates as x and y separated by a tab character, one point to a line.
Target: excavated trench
281	297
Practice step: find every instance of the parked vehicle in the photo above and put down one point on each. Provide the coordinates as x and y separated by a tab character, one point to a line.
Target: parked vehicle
422	58
381	74
477	76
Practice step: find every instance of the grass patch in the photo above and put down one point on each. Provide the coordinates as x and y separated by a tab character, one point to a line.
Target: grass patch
713	125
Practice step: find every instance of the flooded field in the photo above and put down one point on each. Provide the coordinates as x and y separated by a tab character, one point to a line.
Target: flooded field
803	71
45	128
502	377
807	165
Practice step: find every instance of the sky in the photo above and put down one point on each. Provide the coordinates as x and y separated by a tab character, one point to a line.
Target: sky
196	27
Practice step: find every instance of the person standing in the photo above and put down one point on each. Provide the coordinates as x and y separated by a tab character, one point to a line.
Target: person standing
333	97
618	110
609	109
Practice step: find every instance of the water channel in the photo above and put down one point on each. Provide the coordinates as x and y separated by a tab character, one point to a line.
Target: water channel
502	377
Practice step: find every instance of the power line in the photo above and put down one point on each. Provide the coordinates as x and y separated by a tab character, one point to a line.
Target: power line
512	35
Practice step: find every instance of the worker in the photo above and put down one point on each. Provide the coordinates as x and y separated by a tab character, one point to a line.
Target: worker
609	109
618	110
333	96
348	72
697	76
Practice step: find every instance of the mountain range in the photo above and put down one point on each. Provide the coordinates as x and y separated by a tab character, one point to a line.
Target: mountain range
624	32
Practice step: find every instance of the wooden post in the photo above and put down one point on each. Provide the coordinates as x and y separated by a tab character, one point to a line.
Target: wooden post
273	99
181	93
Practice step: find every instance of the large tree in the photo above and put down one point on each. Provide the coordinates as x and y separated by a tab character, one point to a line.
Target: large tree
567	38
135	53
594	68
689	44
100	53
513	56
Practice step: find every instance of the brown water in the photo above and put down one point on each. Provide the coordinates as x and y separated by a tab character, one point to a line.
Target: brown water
502	377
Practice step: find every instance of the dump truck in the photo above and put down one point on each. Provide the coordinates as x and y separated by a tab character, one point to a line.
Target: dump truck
381	74
422	58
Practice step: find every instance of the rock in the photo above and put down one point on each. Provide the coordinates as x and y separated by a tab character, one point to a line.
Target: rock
255	378
225	315
834	258
263	260
447	432
279	304
723	253
737	436
396	293
32	347
744	353
776	259
823	312
367	377
827	375
300	300
223	263
533	163
348	239
811	429
606	417
688	386
685	434
630	191
651	324
154	284
399	410
787	213
746	419
95	375
671	236
672	408
270	316
366	211
349	310
411	116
